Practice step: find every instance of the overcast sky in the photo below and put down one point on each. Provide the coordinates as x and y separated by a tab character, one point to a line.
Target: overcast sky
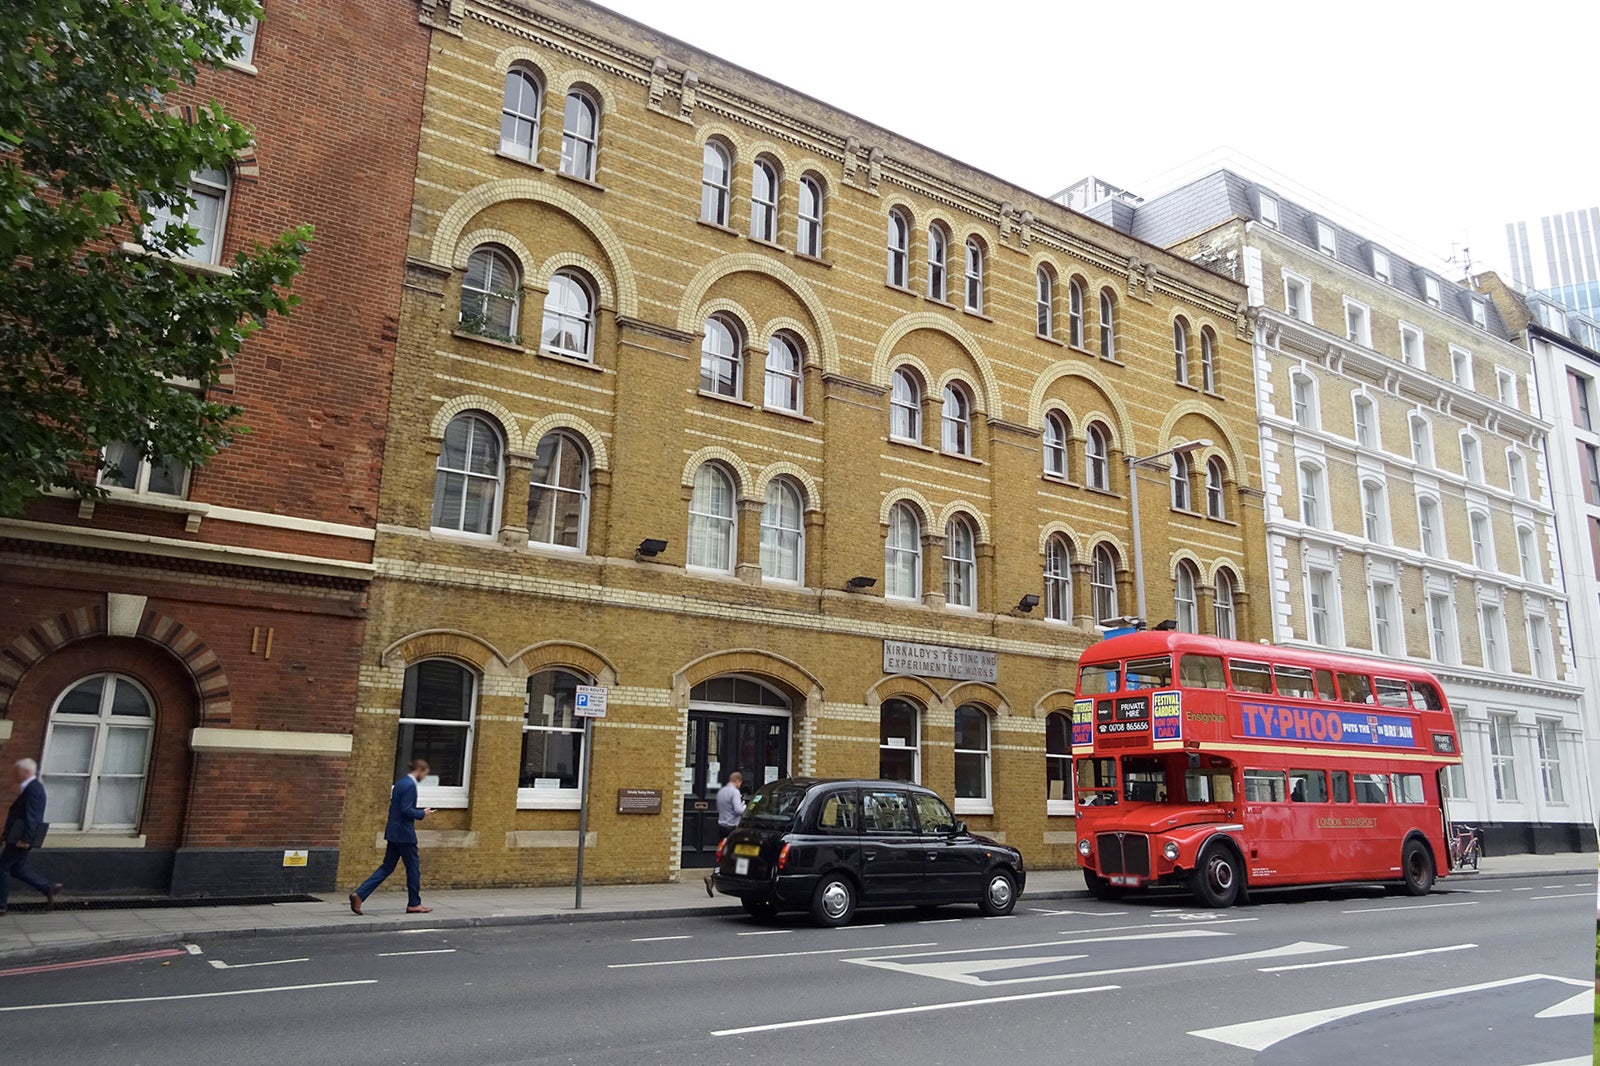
1438	122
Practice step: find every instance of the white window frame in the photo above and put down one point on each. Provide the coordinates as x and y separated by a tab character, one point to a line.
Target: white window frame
509	289
1551	780
1432	295
911	410
775	534
521	119
938	262
1541	650
1216	488
1225	608
1422	453
455	797
102	722
1461	367
1381	267
1108	325
1322	584
1180	474
1419	357
898	244
1327	239
1430	531
981	804
1104	600
711	359
1057	447
1208	361
1375	511
1528	555
974	269
1075	313
781	378
551	798
1062	762
468	475
1267	210
1479	311
915	745
1180	351
715	189
1313	495
960	570
711	522
1385	618
1045	302
1503	756
894	552
1058	579
1097	461
1304	410
1185	597
546	538
567	316
580	152
1517	473
202	187
1492	632
1505	383
1357	322
1292	282
1471	457
1442	644
1364	421
808	234
955	420
764	213
1480	533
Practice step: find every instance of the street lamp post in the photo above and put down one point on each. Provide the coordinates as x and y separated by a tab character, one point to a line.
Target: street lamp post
1134	463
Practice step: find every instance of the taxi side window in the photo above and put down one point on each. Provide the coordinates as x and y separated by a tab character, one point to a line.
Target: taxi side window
886	812
1308	786
841	813
1341	786
935	816
1201	671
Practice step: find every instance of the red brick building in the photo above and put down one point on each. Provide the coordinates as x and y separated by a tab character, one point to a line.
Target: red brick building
183	657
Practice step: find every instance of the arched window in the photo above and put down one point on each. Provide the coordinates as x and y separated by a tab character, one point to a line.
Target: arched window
1180	472
1045	302
1216	495
1097	457
905	406
568	317
955	422
1366	423
764	201
1227	627
938	262
902	554
1058	763
960	565
711	520
899	741
558	493
551	774
972	759
1056	436
783	554
808	237
1312	509
580	136
96	754
1183	597
1431	533
899	247
207	214
519	115
716	175
1075	313
1058	579
491	293
1208	361
721	358
783	373
1303	396
1103	583
1108	325
1180	351
437	708
974	276
466	484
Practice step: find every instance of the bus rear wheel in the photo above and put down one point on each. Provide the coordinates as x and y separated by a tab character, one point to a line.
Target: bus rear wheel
1099	887
1217	878
1416	867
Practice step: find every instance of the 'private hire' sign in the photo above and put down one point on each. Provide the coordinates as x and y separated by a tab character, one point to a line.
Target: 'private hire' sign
934	660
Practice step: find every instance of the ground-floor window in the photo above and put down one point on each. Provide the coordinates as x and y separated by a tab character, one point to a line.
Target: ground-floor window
436	712
899	741
552	742
1058	762
96	753
972	759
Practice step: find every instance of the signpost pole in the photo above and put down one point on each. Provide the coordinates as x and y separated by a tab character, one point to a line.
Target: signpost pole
583	810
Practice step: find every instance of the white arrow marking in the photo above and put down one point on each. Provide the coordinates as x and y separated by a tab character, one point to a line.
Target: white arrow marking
219	964
1569	1008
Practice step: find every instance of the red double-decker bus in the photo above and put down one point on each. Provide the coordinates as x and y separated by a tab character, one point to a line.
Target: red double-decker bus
1222	766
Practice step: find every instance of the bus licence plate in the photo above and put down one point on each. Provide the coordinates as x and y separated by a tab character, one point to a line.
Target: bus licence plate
1125	880
747	849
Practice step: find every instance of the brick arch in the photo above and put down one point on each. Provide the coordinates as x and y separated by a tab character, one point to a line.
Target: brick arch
906	687
1208	573
1074	541
52	634
968	510
448	644
1231	447
784	468
689	309
599	277
744	490
1058	701
460	404
926	512
981	693
550	653
889	345
598	452
527	265
757	663
1122	422
447	238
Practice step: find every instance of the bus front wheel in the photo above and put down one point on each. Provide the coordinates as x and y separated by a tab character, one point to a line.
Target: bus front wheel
1217	878
1099	887
1416	866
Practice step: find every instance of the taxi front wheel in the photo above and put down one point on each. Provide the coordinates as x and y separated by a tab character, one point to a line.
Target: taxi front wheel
834	901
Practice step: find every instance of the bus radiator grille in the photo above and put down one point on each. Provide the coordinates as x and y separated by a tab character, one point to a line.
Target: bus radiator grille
1124	854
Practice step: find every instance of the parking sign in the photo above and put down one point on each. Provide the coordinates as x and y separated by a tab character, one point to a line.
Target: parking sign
591	701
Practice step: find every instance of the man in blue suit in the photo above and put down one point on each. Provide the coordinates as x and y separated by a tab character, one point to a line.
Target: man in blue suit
400	839
24	829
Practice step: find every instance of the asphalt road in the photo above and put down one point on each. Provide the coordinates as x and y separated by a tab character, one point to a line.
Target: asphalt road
1493	972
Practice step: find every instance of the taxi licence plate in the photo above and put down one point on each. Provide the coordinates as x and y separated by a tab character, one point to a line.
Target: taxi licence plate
747	849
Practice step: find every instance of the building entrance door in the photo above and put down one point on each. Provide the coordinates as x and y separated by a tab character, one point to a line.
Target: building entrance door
735	724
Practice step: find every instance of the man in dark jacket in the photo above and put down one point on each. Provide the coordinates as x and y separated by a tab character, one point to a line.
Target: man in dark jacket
24	828
400	840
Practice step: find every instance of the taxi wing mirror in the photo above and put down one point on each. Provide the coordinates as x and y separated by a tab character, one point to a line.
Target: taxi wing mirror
960	829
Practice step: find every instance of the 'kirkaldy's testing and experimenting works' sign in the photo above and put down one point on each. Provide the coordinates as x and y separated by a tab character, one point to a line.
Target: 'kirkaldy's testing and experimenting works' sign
933	660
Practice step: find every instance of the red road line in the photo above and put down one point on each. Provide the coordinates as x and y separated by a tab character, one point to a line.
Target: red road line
164	953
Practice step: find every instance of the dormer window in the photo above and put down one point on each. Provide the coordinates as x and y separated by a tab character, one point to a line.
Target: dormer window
1325	242
1480	313
1267	210
1430	291
1380	265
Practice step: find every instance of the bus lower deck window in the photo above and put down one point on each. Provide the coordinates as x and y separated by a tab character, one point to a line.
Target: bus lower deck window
1308	786
1408	788
1264	786
1201	786
1341	786
1372	788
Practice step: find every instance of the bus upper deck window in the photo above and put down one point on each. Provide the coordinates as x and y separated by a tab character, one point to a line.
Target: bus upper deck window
1325	685
1391	693
1250	677
1201	671
1355	688
1293	681
1426	697
1155	672
1097	680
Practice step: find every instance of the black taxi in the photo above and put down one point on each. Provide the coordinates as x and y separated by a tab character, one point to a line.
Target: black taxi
829	846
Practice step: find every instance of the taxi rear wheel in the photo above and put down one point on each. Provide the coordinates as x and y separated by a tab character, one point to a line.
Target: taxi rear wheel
834	901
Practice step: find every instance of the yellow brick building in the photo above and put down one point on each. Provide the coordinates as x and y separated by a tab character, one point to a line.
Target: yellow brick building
878	405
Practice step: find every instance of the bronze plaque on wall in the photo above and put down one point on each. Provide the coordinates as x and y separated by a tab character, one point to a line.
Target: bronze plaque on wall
638	801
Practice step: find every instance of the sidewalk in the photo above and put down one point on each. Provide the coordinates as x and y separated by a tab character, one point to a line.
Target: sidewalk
28	936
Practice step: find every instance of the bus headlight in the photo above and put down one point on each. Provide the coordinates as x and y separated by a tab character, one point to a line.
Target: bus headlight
1171	851
1083	847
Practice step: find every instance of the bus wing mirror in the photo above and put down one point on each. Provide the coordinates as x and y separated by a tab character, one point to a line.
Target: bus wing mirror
1194	760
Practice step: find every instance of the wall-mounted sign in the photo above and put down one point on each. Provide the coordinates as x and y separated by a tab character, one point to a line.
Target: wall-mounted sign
590	701
936	660
296	858
638	801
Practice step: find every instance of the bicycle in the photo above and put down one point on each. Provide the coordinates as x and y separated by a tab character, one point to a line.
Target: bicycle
1465	846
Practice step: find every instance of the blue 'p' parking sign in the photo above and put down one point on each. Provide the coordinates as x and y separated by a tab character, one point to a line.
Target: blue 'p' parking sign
590	701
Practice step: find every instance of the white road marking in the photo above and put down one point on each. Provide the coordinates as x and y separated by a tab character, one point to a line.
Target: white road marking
1577	1006
414	932
922	1009
1546	888
1478	891
1410	907
1093	914
220	965
192	995
998	917
1564	895
948	972
658	939
1365	958
193	949
1522	890
1153	925
938	921
766	932
428	951
752	958
1260	1035
847	928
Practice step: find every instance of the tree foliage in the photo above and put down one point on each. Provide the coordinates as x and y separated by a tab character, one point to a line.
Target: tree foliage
94	332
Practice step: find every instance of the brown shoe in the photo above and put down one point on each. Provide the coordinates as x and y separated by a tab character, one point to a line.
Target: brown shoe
355	903
710	891
52	897
419	910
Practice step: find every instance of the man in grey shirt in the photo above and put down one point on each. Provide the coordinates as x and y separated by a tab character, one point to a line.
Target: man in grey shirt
730	808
